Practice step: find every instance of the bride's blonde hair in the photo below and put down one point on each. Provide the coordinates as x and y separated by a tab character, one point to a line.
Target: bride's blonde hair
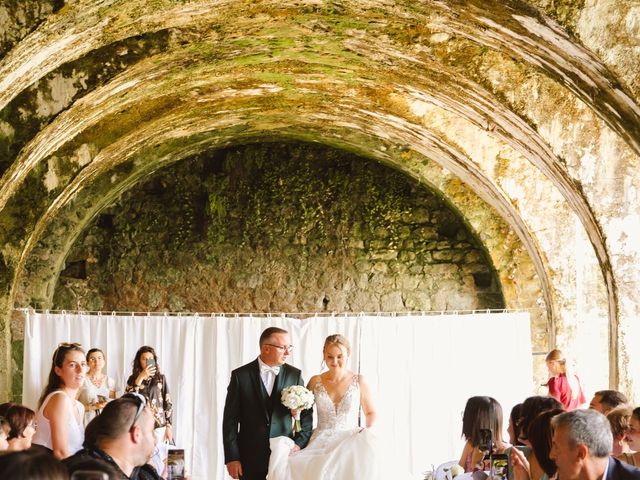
339	340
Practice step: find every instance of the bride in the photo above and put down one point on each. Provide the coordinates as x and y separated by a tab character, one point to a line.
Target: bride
339	449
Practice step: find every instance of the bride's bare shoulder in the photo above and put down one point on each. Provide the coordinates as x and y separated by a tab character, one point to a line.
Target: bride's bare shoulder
313	381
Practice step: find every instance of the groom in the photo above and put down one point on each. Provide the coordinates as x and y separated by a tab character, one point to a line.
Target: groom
253	412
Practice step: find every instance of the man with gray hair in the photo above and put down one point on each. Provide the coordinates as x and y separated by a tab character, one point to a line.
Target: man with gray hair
581	448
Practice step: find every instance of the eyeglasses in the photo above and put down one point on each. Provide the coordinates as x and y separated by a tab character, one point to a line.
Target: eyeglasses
143	403
283	348
33	425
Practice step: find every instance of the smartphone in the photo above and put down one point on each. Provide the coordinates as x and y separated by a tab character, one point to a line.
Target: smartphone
486	440
500	466
151	362
89	475
175	464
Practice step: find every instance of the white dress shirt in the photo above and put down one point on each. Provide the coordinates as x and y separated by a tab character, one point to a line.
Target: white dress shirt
268	375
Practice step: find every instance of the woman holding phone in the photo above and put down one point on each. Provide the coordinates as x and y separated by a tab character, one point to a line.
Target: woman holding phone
147	380
98	388
482	430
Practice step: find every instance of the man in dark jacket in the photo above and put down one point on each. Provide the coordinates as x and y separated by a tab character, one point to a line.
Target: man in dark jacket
120	437
253	412
581	448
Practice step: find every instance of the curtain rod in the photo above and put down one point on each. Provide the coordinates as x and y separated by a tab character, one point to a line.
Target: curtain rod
281	314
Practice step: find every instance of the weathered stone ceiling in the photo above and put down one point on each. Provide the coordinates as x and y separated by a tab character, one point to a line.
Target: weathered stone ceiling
536	119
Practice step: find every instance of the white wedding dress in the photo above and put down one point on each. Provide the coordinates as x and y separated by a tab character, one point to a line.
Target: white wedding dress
338	449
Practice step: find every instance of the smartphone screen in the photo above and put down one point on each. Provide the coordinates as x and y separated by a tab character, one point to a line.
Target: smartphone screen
486	440
89	475
175	464
151	362
500	466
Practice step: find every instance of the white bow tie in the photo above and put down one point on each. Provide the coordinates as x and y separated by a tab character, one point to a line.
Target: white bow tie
267	368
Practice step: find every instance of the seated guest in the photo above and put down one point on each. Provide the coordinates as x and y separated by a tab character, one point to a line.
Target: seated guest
531	408
31	465
538	465
513	429
23	427
606	400
4	433
582	446
619	422
60	415
632	437
480	413
123	437
539	434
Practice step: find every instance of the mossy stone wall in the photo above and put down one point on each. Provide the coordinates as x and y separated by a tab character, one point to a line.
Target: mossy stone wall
278	227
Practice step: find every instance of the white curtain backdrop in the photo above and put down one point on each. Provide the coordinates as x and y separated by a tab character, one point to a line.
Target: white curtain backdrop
421	369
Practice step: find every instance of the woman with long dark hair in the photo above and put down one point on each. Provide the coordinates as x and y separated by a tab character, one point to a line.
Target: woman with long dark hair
147	380
60	415
480	413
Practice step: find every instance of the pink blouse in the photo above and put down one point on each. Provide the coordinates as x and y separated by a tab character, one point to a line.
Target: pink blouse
560	389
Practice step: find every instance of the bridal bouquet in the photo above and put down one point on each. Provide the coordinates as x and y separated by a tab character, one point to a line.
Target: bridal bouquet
298	398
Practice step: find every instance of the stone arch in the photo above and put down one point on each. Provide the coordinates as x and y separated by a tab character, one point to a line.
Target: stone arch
426	73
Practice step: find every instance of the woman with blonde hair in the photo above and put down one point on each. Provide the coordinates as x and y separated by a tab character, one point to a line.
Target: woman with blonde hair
619	419
563	386
632	437
339	446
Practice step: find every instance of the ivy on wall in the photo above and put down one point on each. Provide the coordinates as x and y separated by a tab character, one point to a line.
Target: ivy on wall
279	226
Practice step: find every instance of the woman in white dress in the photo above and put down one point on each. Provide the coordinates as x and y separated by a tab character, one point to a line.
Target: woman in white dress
59	416
98	388
339	448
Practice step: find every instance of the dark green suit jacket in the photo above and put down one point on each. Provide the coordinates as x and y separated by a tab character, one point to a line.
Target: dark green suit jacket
251	417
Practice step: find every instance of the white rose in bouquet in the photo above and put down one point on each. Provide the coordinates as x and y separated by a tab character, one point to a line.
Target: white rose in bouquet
297	397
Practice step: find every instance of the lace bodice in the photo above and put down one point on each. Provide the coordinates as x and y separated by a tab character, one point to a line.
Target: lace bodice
342	415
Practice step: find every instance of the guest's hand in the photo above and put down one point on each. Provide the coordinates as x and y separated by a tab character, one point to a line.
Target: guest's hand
294	449
520	465
148	372
235	469
168	433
